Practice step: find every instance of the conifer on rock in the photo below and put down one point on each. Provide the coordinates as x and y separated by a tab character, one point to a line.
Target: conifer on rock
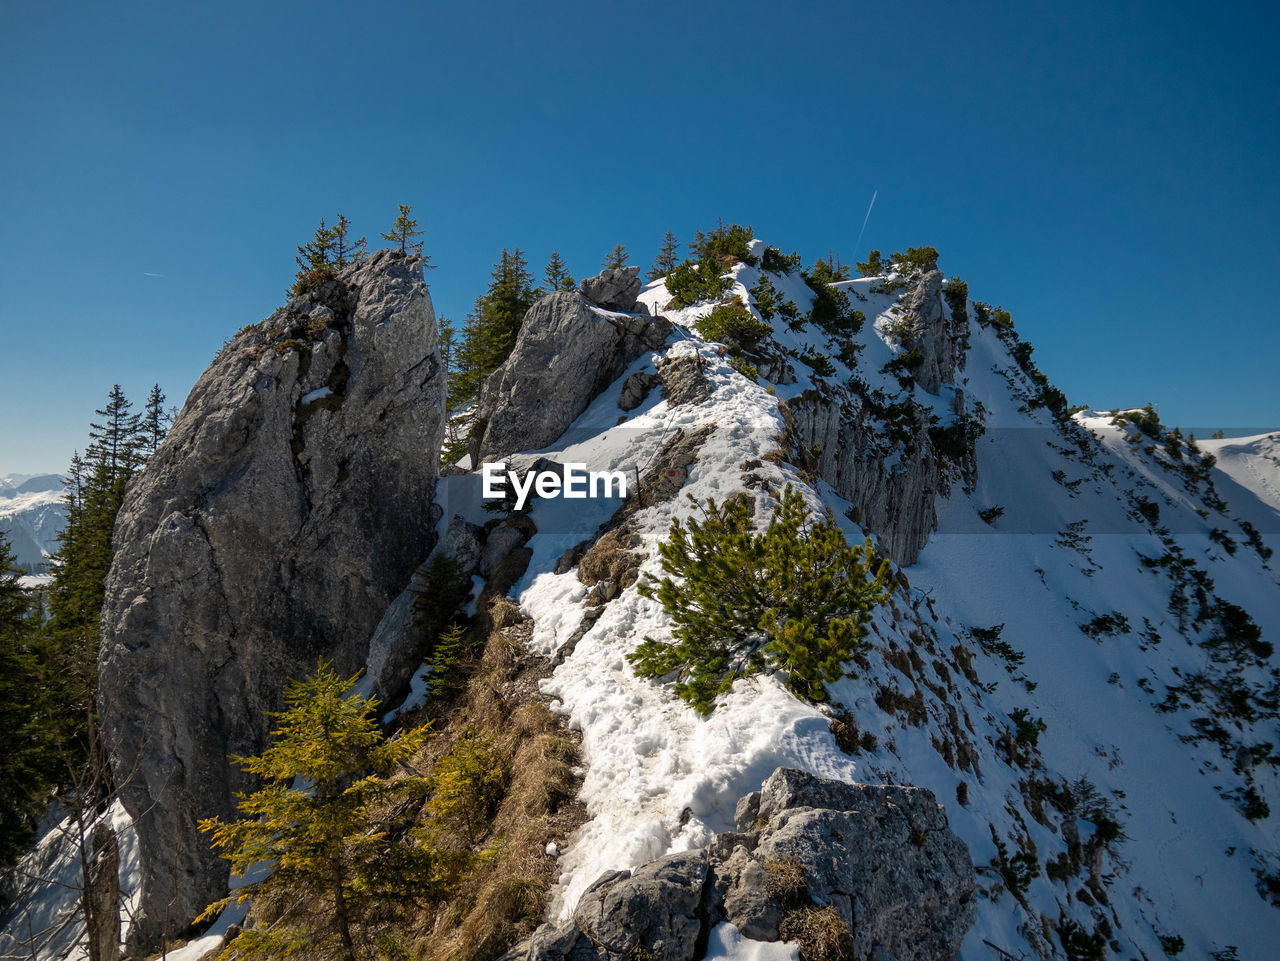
616	258
556	274
315	260
403	232
492	326
346	250
794	599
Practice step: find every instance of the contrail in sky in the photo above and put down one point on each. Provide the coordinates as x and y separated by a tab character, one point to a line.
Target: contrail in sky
875	193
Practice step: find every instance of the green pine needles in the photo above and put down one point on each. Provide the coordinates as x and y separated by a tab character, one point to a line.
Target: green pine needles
794	599
335	851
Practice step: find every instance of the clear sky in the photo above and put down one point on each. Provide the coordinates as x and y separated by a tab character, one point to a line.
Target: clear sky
1106	171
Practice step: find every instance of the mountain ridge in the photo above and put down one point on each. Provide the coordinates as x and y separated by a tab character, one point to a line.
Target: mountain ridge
1076	660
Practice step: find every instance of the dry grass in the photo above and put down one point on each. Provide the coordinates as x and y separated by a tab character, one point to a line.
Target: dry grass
785	882
505	896
502	897
822	934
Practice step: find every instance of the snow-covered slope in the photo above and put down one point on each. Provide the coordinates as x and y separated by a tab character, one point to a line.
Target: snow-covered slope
32	515
1070	666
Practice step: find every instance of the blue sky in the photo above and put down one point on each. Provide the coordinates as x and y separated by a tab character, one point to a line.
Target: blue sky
1105	171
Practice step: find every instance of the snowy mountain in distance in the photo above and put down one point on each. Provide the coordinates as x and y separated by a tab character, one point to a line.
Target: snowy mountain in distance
32	515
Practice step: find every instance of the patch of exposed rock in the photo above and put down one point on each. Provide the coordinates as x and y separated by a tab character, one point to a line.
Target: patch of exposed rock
287	508
567	352
882	858
614	288
636	388
888	463
684	379
928	332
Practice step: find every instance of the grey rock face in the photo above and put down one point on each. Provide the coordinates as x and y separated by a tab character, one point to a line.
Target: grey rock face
635	389
567	352
288	506
928	333
882	857
893	486
613	288
897	502
684	380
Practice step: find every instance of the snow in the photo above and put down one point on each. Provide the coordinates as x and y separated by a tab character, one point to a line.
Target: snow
32	514
659	778
197	948
727	943
311	396
49	884
1250	477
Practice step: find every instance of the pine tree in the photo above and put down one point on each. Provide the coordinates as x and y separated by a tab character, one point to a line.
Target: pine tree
315	260
793	599
557	274
765	296
346	251
465	377
452	647
94	490
616	259
403	231
445	342
155	421
667	257
319	253
115	444
330	849
490	332
27	770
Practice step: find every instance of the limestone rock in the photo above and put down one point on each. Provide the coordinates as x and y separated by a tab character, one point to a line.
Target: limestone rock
567	352
635	389
684	379
464	542
286	509
501	541
929	333
654	909
882	856
613	288
893	485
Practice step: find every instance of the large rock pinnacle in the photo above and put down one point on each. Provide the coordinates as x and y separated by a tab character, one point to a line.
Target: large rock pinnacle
288	506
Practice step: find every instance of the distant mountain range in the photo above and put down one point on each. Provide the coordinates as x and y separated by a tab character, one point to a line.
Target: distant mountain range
32	515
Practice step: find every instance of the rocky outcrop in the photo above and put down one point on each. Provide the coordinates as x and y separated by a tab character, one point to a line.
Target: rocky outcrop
927	331
882	859
684	379
567	352
614	288
288	506
892	491
889	463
